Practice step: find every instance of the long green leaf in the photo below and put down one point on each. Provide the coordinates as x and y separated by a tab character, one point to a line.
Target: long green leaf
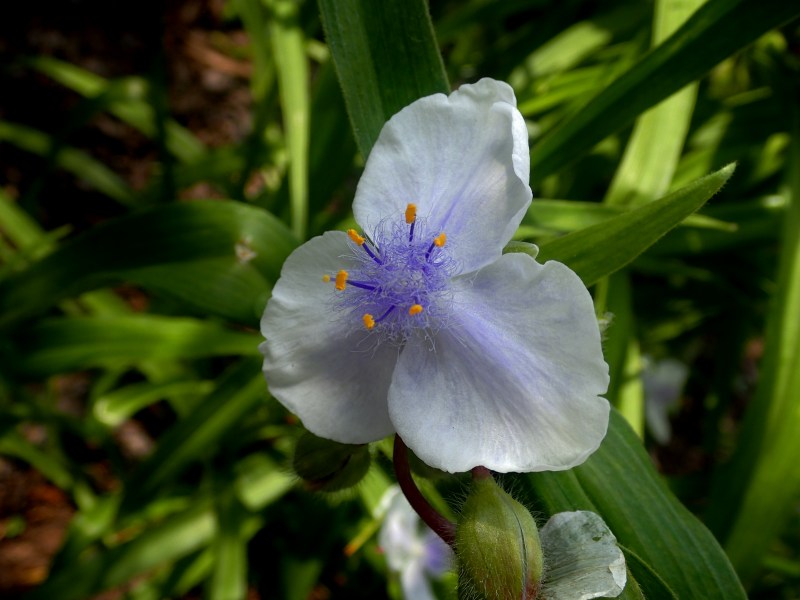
644	174
115	407
18	226
157	547
70	344
619	482
602	249
386	57
563	216
714	32
762	483
290	59
755	223
218	257
229	575
68	158
654	148
238	393
127	99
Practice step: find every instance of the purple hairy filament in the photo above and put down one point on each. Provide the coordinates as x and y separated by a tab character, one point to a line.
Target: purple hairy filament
399	283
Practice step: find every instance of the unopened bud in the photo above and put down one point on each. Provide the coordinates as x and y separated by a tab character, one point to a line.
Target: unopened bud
328	466
497	545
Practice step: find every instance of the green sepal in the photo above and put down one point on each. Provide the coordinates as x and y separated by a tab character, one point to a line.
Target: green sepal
497	545
328	466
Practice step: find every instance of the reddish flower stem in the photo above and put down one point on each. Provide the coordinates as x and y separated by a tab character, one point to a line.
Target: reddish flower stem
480	472
441	526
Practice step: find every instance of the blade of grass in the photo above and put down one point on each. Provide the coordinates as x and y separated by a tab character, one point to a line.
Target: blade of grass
219	256
714	32
126	99
114	407
762	482
255	22
238	393
386	57
654	148
71	344
619	482
229	574
157	547
18	226
288	44
602	249
644	174
70	159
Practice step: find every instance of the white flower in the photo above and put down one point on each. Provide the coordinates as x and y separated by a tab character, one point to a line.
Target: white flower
663	382
412	550
420	325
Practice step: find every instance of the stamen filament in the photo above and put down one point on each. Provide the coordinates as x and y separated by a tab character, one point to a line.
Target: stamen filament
371	255
437	242
361	284
411	219
386	314
341	280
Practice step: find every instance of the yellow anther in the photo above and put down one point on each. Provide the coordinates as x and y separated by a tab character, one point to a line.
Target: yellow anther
357	239
411	213
415	309
440	240
326	278
369	321
341	279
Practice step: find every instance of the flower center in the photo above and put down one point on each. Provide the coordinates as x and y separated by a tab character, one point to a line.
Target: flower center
400	281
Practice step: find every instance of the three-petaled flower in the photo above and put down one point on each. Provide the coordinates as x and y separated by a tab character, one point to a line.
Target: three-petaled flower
420	325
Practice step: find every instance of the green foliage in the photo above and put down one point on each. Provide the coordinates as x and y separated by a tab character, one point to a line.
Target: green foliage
672	549
171	451
385	56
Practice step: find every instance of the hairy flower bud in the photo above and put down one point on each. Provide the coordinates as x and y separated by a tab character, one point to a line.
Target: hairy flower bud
328	466
497	545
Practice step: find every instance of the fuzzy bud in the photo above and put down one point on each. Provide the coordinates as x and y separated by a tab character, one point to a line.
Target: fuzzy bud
497	545
328	466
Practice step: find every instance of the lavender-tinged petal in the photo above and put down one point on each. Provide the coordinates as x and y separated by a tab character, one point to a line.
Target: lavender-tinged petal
411	549
463	160
663	384
438	555
415	584
398	536
317	362
514	382
583	560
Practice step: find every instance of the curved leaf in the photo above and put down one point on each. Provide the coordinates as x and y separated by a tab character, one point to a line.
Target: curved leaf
714	32
219	257
601	249
69	344
619	482
386	57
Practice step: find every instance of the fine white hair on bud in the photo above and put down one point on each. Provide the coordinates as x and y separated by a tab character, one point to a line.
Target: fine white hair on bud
497	545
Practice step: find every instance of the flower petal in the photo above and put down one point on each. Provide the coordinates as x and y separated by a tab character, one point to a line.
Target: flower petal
316	362
582	558
463	160
513	384
411	549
